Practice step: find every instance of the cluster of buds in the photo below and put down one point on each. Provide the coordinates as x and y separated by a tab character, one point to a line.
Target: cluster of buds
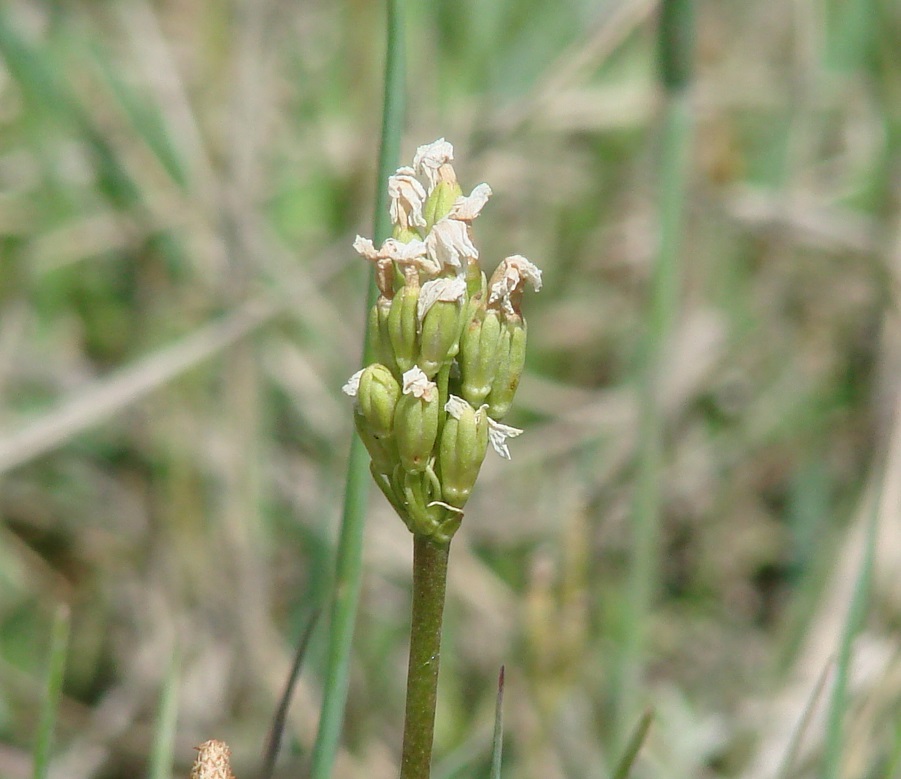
449	345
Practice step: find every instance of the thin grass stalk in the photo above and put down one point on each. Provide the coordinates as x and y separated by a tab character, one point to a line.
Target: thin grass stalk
675	43
429	586
633	746
348	566
675	35
273	742
838	704
497	744
163	748
56	669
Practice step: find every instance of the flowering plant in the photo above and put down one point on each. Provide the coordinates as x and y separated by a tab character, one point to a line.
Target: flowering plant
449	344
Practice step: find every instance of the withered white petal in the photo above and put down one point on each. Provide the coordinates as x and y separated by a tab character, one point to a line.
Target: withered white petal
352	387
498	435
407	196
527	270
430	157
444	289
417	384
448	244
455	406
365	247
468	208
400	252
516	271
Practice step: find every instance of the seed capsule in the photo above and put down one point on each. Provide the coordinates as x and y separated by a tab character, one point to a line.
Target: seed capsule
511	360
402	327
377	395
479	348
464	441
416	421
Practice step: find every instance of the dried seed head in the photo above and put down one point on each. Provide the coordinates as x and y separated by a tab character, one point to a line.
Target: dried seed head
213	761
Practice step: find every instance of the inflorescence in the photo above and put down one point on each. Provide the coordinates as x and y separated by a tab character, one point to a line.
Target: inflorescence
449	345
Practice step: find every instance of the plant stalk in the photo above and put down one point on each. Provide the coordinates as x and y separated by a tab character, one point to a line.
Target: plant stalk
349	564
429	586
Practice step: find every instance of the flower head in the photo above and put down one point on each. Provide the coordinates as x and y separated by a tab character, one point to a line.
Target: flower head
450	347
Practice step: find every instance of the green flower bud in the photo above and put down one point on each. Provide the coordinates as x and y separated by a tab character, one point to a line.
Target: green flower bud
440	202
416	421
479	347
402	327
464	442
382	449
377	395
511	360
379	342
440	311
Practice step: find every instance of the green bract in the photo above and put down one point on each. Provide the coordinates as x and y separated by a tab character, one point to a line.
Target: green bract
449	344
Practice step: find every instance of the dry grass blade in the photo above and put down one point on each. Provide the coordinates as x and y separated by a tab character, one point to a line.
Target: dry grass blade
100	401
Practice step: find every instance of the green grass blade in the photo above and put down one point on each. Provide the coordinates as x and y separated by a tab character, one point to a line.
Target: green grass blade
348	568
163	750
857	610
498	741
56	669
633	746
675	41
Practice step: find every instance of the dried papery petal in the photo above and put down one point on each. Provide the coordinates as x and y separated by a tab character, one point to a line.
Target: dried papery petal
498	434
413	254
468	208
430	157
213	761
445	289
456	406
407	196
353	384
507	282
417	384
449	244
366	248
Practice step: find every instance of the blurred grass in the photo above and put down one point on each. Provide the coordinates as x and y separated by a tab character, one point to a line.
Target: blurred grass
179	186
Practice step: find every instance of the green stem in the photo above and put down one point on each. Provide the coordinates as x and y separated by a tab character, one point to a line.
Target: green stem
429	584
349	565
675	33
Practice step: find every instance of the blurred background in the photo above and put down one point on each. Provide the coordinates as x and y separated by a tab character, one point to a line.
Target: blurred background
180	184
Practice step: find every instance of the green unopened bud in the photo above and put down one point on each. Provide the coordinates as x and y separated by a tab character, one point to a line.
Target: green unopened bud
379	341
511	360
442	199
416	421
382	449
377	395
479	346
440	311
402	327
464	441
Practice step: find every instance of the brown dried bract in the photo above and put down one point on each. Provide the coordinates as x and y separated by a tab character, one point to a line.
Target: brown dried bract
213	761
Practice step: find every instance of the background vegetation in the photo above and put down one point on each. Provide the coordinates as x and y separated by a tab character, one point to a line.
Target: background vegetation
180	183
